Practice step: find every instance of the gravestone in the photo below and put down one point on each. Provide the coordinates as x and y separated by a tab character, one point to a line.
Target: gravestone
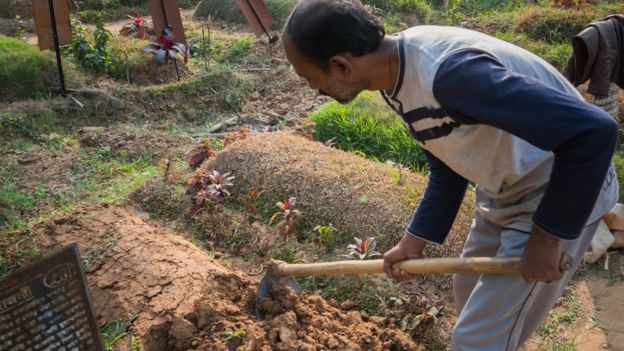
46	306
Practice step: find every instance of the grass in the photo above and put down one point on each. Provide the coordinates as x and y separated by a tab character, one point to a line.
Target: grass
397	13
223	85
226	10
553	25
369	127
618	161
26	72
554	53
557	322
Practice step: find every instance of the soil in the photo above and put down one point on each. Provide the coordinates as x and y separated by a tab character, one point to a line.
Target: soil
182	299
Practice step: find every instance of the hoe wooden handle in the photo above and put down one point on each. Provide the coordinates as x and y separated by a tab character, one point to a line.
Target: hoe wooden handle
482	265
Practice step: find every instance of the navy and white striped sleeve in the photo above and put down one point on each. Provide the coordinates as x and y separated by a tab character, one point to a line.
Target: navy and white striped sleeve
475	85
438	208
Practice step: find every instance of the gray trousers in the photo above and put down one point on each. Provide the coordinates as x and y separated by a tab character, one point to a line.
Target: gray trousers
500	312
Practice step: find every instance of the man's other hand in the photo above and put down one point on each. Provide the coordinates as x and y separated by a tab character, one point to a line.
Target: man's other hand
409	247
540	261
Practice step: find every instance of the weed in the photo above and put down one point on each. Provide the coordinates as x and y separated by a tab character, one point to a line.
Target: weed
93	55
284	253
328	234
239	236
229	334
88	261
113	331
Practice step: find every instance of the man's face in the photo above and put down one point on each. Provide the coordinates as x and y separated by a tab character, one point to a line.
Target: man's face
327	83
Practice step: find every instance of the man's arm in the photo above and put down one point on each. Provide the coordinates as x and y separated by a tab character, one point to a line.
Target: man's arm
433	218
439	205
476	86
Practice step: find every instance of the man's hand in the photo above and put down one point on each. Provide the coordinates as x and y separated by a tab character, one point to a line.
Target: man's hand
540	261
409	247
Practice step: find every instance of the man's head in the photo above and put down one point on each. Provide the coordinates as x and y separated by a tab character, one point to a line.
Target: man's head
324	38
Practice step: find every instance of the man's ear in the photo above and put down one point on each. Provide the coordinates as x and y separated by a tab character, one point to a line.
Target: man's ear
340	66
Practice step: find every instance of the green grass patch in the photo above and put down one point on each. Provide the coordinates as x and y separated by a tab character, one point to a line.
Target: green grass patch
226	10
22	128
221	83
555	53
236	51
553	25
26	72
369	127
618	161
397	13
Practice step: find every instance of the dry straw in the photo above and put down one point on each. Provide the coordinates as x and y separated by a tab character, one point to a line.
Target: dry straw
360	197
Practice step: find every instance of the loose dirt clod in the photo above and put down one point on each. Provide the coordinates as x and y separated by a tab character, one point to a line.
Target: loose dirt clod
306	322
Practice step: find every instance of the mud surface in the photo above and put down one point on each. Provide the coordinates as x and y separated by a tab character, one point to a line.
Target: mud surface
182	299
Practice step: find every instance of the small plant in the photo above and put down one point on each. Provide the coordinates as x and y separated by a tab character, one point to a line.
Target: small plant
93	57
229	334
165	49
397	173
305	129
205	187
362	249
203	151
138	28
290	217
114	331
327	234
236	136
249	201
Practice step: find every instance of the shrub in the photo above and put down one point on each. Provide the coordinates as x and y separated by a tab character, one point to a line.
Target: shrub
93	54
553	25
226	10
368	126
25	71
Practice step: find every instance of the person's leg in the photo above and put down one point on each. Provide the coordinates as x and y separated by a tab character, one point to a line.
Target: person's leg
483	240
503	310
538	309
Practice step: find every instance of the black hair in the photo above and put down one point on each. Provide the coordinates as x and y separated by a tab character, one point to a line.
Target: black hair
320	29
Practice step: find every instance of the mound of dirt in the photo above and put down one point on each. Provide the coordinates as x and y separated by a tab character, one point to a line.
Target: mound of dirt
294	322
360	197
181	299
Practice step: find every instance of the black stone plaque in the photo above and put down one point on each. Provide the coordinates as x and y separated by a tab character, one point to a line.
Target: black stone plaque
46	306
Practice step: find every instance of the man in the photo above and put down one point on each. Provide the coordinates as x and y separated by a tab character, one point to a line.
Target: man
487	112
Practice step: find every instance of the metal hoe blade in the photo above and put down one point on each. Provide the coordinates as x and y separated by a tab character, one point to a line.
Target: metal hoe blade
265	289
